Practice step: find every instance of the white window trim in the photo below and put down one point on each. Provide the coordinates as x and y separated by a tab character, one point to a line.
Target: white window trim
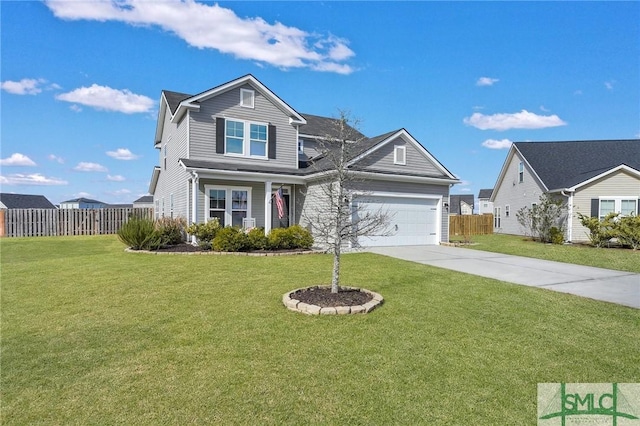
400	159
507	210
227	204
497	217
253	98
617	203
246	141
300	146
521	172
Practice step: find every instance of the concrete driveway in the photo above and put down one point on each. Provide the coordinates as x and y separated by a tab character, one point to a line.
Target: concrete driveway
618	287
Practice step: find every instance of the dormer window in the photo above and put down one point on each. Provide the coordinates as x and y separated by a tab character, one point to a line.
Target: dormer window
400	155
247	98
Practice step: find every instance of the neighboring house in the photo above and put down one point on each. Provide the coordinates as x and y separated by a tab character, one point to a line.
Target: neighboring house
24	201
593	177
225	152
461	204
144	202
485	206
82	203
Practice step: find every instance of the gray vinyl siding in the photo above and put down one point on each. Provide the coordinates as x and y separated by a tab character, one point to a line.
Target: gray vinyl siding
516	195
416	161
202	128
172	178
620	184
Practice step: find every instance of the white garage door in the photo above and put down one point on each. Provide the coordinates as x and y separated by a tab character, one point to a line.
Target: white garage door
414	221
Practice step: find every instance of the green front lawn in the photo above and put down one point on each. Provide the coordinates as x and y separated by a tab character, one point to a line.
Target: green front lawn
579	254
94	335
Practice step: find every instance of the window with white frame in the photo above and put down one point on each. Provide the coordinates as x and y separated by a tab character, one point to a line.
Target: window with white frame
507	210
497	216
164	151
300	146
247	98
400	155
246	139
228	205
156	210
626	206
171	206
521	172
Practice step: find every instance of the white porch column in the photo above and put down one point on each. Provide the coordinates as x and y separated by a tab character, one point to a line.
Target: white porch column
195	183
267	207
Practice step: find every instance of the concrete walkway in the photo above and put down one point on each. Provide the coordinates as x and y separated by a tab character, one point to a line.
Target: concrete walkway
618	287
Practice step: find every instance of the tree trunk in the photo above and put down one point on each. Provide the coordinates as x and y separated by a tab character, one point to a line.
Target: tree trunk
335	279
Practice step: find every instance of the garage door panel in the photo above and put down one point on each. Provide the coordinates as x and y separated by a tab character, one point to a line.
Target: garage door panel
413	221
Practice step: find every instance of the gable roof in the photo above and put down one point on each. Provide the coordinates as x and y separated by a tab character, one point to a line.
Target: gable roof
485	193
562	165
144	199
25	201
455	202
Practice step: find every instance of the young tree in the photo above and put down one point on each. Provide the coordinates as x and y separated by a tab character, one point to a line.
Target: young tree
545	220
338	220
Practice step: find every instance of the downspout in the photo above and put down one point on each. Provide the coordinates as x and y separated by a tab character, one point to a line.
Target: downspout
194	201
569	214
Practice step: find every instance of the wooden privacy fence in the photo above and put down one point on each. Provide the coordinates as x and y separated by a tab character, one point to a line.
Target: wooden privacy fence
467	225
57	222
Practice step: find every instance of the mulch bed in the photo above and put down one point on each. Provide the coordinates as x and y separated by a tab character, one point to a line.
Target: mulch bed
325	299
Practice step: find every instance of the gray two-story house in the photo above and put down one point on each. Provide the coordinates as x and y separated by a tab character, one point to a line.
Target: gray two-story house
225	152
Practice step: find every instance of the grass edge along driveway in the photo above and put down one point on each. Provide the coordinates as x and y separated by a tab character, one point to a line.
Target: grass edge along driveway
91	334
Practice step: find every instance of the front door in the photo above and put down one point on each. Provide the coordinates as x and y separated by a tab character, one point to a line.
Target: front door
280	214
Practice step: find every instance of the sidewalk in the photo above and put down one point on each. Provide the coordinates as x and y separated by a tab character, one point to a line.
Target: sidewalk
607	285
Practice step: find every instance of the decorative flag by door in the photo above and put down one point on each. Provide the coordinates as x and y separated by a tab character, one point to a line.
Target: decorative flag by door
280	203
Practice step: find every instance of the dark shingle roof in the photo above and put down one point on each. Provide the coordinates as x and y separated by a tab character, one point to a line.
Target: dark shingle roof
25	201
83	200
174	99
565	164
455	200
485	193
144	199
324	126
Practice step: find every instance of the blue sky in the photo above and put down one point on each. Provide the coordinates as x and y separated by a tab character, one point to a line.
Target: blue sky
81	81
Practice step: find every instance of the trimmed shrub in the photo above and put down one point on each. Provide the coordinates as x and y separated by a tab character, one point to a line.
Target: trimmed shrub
205	232
171	229
556	236
257	239
293	237
301	237
140	234
279	239
230	239
600	231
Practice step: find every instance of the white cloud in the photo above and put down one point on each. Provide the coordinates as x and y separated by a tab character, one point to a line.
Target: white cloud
75	108
609	84
31	179
544	109
55	158
17	159
122	154
519	120
106	98
497	144
83	194
90	167
26	86
119	192
214	27
487	81
116	178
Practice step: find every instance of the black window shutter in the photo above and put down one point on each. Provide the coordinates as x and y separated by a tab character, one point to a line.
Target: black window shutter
595	207
219	135
272	141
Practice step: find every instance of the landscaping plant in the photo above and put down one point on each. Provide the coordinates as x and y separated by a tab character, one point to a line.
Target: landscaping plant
205	232
140	234
544	221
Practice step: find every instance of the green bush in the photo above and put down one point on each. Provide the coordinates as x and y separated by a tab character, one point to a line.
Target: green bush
257	239
600	231
556	236
205	232
140	234
231	239
301	237
628	231
293	237
171	229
